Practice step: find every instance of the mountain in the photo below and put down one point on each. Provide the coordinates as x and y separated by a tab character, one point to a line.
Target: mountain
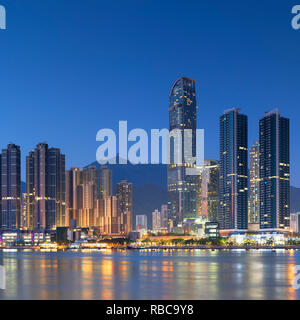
146	199
139	175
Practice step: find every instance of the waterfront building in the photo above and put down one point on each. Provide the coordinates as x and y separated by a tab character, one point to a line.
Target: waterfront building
208	191
73	181
23	222
110	221
233	176
141	222
11	187
124	196
274	161
105	182
82	195
295	222
156	220
45	186
254	182
88	215
182	188
164	216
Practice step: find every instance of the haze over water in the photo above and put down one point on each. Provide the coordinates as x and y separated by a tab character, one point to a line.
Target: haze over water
198	274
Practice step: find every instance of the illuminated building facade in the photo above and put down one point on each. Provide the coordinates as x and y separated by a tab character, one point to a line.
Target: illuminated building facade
124	196
156	220
164	216
45	183
182	188
208	191
233	177
274	161
254	182
11	187
105	182
73	181
90	189
82	194
110	221
295	222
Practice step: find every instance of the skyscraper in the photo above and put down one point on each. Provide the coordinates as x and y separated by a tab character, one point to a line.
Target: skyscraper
82	194
233	180
274	161
208	191
124	196
89	212
73	181
182	188
109	219
45	183
254	181
105	182
11	187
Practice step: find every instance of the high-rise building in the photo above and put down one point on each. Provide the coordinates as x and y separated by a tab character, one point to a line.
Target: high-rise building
208	191
254	181
105	182
82	194
89	210
295	222
141	222
156	220
124	196
73	181
11	187
45	183
182	188
274	161
233	176
110	222
164	216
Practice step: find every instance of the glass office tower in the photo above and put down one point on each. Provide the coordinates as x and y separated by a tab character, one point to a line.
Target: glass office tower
274	161
182	188
233	180
11	187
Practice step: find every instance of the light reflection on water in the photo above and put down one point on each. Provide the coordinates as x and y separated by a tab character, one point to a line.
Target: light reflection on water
198	274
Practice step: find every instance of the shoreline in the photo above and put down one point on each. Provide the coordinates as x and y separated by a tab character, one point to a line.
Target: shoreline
152	248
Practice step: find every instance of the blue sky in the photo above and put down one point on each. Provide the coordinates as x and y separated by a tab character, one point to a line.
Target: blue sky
70	68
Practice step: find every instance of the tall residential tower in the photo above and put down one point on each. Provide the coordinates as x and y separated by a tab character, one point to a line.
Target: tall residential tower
45	183
233	179
274	164
11	187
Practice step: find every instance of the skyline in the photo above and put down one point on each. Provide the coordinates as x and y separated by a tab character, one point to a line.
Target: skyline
231	57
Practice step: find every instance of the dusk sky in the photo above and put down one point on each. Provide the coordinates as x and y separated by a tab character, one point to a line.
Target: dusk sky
71	68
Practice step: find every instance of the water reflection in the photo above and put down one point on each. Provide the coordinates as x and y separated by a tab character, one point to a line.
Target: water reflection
198	274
